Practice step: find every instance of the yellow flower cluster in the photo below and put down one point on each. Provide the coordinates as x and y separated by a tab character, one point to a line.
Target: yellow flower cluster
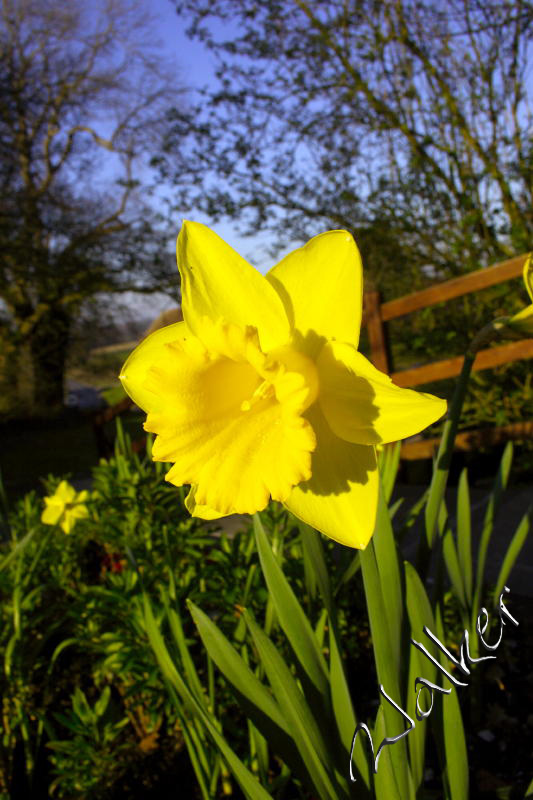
65	507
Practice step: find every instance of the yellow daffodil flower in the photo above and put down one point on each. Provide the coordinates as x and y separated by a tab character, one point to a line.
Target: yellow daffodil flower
522	323
65	506
260	392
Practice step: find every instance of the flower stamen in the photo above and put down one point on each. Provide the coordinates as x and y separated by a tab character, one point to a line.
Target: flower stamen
265	391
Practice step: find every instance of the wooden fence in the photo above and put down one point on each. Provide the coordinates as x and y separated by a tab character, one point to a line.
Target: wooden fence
377	314
375	317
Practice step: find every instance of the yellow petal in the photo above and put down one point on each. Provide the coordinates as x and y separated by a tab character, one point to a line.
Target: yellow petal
340	498
151	351
217	282
201	511
224	426
52	512
321	285
68	522
80	511
65	492
528	275
72	515
362	404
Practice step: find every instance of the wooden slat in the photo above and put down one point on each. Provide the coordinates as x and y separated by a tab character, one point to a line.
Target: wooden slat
376	334
450	367
469	440
456	287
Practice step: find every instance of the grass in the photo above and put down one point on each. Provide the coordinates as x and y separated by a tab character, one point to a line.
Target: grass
101	371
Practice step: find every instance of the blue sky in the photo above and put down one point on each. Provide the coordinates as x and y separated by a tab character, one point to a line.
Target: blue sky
192	59
195	67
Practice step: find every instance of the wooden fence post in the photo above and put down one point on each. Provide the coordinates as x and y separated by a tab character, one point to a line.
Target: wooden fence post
376	332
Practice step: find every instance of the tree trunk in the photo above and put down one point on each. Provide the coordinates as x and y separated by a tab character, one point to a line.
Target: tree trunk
48	347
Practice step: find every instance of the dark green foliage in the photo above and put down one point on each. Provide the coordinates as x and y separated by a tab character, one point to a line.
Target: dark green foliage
78	681
86	710
84	699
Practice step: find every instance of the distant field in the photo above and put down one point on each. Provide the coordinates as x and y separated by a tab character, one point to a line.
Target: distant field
101	370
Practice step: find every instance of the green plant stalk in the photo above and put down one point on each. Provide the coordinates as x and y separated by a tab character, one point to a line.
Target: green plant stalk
185	701
17	546
277	538
442	463
500	484
387	667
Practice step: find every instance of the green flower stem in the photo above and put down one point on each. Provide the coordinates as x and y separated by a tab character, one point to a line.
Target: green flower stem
442	463
277	541
386	668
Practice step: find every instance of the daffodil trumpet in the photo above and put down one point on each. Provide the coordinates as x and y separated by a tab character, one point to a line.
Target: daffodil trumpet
261	392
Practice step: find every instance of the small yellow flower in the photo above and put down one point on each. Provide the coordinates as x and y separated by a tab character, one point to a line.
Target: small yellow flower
522	323
64	507
260	392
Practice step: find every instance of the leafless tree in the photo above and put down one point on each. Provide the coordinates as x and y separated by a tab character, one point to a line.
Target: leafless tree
405	121
82	100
